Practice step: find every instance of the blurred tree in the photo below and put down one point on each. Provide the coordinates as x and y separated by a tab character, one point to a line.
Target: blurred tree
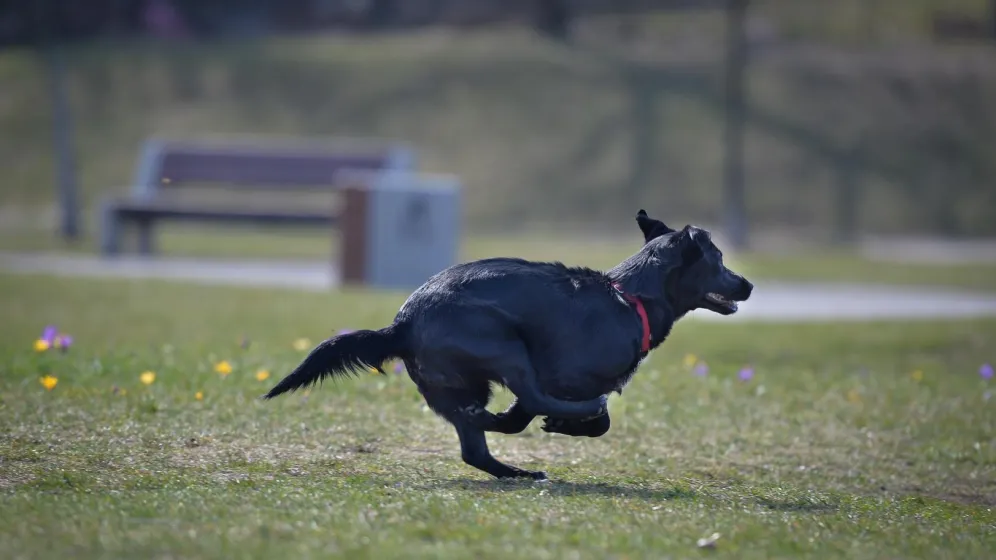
380	14
734	197
553	19
992	17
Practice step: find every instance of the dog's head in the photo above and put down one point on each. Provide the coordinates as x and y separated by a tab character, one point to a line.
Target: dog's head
697	277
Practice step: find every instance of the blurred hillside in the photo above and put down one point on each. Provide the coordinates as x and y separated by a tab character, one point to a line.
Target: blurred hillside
857	115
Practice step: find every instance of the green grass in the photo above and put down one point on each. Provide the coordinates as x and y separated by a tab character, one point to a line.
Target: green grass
834	449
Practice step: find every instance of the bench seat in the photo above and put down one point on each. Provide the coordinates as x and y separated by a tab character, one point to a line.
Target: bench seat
143	213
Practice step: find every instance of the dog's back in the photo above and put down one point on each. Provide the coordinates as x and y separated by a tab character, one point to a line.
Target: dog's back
523	292
514	280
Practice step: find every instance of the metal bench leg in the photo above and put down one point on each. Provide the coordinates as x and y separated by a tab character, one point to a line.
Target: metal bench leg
146	246
110	230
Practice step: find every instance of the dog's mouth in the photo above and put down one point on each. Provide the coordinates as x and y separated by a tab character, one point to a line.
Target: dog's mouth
719	304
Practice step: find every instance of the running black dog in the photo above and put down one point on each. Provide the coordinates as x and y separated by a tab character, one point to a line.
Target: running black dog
559	338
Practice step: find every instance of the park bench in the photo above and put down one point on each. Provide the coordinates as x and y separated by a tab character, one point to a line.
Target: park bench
242	169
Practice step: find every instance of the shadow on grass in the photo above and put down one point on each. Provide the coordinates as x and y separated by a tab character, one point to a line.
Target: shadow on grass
664	492
797	505
556	487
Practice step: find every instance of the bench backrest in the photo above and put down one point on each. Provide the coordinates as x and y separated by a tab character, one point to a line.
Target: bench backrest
285	165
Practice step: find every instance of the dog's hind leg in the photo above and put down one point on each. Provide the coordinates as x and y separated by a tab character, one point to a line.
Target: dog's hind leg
512	421
455	405
515	371
534	401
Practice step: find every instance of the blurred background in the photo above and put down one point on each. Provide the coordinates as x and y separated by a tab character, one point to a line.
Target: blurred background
779	123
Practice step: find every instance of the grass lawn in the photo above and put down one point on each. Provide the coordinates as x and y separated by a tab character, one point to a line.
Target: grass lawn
849	441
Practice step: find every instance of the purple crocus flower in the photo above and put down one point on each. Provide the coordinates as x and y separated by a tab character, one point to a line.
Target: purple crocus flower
701	369
49	334
746	374
399	367
986	371
63	341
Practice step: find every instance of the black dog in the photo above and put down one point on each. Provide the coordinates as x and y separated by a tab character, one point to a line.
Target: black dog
559	338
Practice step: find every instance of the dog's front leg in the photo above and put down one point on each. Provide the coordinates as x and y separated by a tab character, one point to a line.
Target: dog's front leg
592	427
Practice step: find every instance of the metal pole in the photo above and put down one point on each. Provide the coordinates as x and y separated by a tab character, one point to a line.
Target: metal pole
846	223
734	198
62	136
850	166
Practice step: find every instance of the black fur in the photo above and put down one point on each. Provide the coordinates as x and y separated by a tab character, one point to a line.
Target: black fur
340	355
559	338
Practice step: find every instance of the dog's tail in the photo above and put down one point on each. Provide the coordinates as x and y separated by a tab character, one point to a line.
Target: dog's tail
342	355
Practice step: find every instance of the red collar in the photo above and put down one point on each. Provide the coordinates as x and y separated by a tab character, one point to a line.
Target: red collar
642	312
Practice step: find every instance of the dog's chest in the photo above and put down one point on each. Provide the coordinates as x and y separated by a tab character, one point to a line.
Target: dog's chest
589	382
626	377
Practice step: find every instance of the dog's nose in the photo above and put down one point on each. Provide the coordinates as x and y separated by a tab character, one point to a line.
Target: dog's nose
746	288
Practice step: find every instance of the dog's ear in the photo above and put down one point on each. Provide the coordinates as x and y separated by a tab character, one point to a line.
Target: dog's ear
651	228
693	243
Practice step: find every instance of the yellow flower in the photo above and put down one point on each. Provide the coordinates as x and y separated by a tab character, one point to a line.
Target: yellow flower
223	367
199	396
49	382
302	344
917	375
147	377
42	345
691	360
262	375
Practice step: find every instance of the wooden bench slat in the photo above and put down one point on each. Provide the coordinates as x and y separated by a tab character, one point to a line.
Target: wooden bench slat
138	210
271	170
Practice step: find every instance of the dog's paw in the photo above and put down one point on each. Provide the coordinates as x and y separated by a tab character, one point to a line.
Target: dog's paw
553	425
473	410
571	428
603	405
479	416
594	427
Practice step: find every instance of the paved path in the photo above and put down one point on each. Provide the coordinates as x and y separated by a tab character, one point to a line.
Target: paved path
772	301
929	250
306	275
800	302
